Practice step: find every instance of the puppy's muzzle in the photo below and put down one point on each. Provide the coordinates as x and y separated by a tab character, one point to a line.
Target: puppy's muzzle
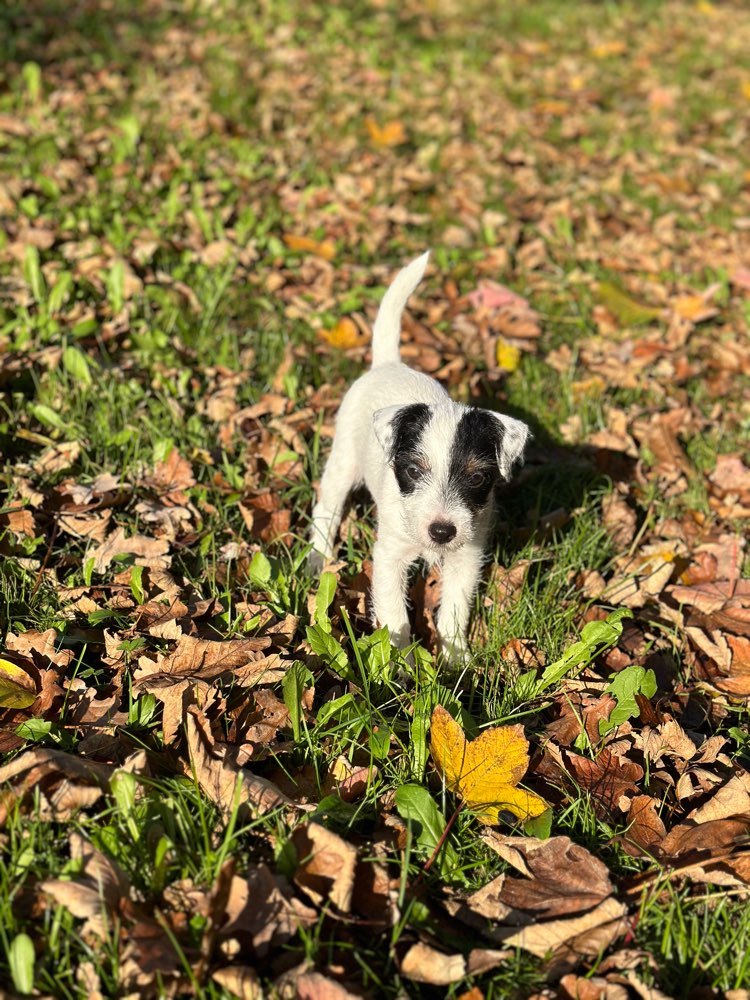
442	532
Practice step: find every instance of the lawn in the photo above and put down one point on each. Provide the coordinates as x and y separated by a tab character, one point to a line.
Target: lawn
217	778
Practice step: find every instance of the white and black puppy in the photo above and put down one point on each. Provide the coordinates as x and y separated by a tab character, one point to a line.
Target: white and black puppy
431	465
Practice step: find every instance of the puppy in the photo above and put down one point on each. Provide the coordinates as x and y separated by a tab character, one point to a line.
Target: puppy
431	466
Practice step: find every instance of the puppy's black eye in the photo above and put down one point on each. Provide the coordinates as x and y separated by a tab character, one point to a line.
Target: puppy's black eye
414	471
477	479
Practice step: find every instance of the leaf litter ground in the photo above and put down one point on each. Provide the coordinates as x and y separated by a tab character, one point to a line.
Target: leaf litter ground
217	780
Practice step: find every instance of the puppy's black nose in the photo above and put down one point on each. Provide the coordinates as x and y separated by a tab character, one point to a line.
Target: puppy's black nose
442	531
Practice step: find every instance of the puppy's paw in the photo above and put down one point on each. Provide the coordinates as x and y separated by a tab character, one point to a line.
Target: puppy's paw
315	562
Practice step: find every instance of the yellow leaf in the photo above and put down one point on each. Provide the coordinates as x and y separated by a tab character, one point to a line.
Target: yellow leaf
626	310
484	772
508	356
694	308
745	86
303	244
344	335
16	687
705	7
605	50
551	107
391	134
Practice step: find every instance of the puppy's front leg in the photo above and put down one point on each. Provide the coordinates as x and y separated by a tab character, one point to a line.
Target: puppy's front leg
390	567
339	477
460	575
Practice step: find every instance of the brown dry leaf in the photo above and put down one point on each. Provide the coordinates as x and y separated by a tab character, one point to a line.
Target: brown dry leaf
222	780
95	894
730	474
619	518
171	478
573	937
326	865
18	522
148	956
572	987
646	831
314	986
66	782
151	552
206	659
714	836
732	799
607	778
239	980
561	877
261	906
579	712
40	648
176	694
57	457
424	964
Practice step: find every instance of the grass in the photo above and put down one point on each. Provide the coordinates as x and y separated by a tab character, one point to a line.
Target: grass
152	162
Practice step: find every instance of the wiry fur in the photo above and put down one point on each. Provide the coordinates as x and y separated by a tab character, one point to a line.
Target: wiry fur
431	466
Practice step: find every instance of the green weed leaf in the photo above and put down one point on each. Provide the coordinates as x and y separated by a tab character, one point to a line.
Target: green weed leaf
295	681
415	804
329	650
76	364
625	309
624	686
323	600
21	958
32	272
595	638
260	570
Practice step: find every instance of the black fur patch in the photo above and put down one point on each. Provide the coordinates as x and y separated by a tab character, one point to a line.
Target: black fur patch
408	427
476	444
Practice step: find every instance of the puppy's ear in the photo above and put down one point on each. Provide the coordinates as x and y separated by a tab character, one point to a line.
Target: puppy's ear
383	425
514	436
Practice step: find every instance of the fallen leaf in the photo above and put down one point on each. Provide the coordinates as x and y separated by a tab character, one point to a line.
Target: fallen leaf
344	335
627	310
485	771
240	980
222	780
150	552
507	356
561	877
314	986
304	244
326	865
491	295
261	905
17	689
587	934
393	133
424	964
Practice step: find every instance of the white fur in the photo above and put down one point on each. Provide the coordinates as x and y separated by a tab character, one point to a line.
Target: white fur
360	454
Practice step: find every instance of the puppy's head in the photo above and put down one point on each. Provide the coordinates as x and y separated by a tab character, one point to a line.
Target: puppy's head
447	459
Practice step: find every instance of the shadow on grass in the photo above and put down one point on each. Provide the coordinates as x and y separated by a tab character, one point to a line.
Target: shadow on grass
49	32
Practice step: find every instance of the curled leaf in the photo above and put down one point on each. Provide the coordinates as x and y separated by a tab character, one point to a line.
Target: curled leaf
628	311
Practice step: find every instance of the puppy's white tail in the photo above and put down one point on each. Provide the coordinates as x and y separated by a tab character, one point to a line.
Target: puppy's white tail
386	332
